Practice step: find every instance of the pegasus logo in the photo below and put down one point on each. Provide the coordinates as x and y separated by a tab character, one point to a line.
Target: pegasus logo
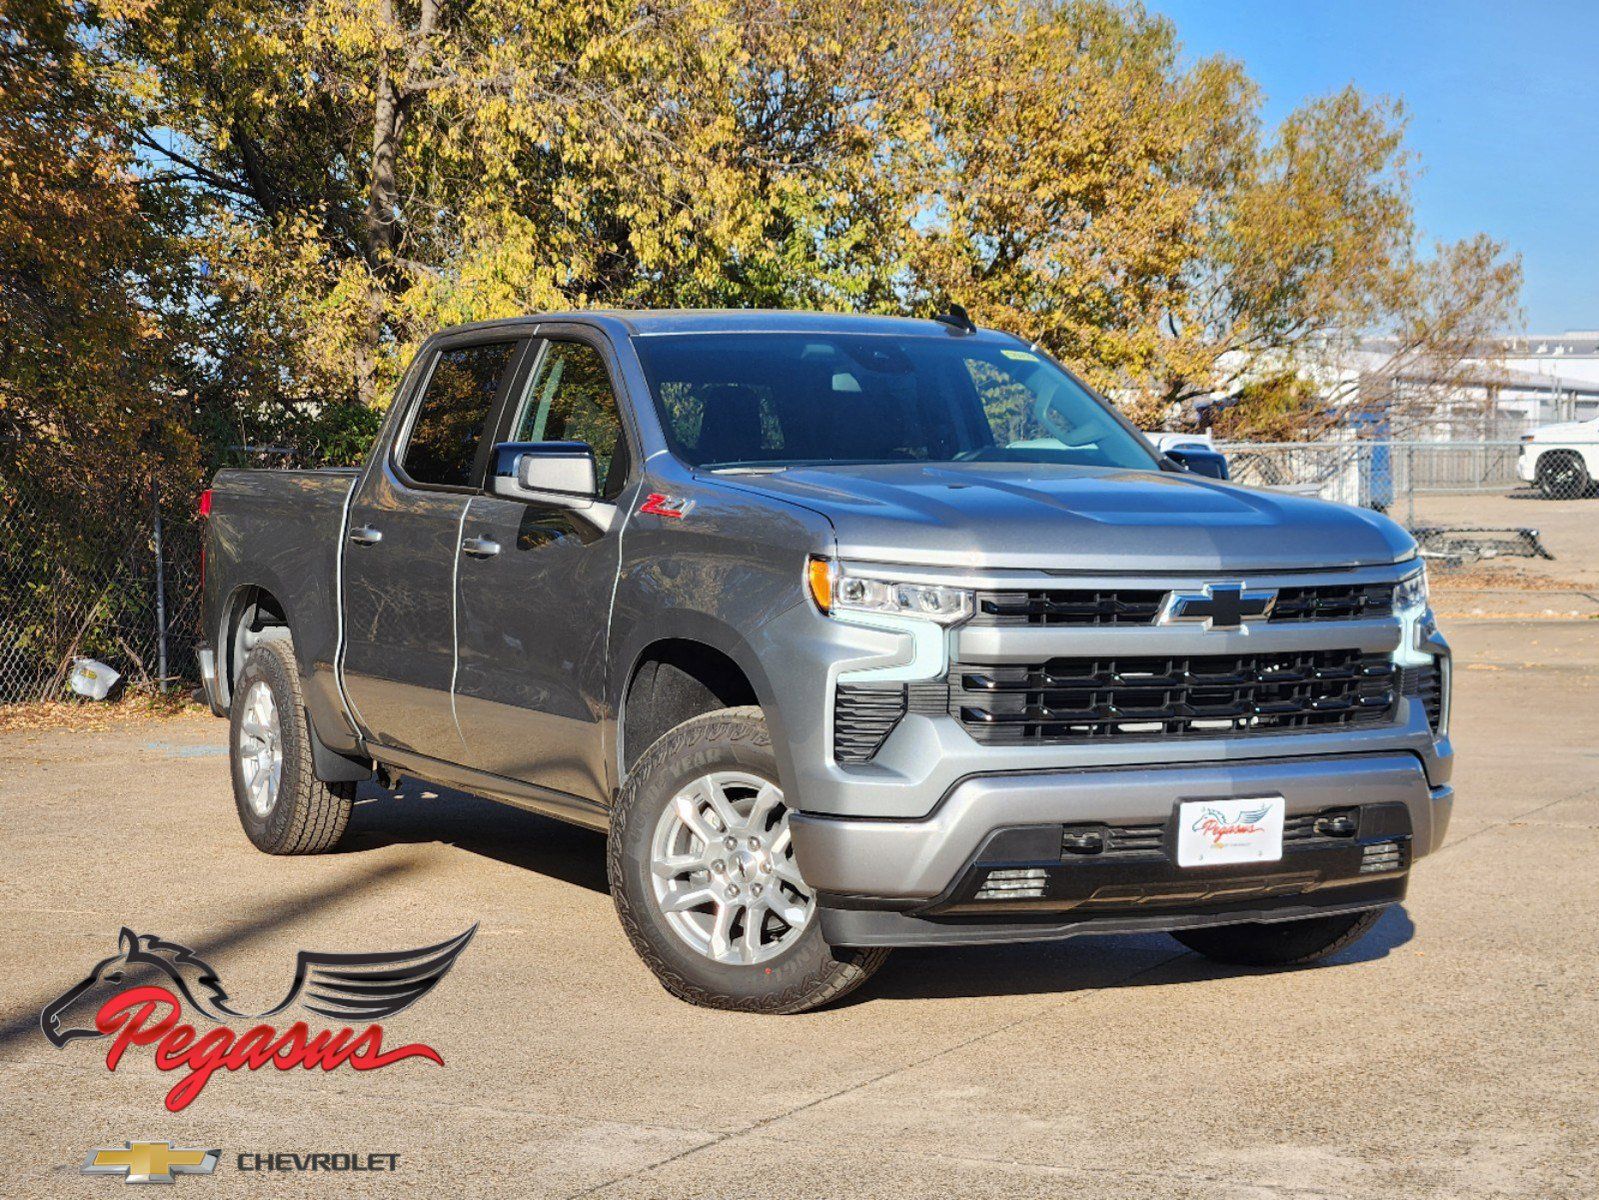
137	997
1216	606
1215	826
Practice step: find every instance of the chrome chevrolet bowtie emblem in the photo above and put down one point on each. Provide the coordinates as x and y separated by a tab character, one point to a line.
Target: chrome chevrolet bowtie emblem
1216	606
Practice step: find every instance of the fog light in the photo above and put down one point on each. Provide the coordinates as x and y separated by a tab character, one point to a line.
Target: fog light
1381	856
1014	883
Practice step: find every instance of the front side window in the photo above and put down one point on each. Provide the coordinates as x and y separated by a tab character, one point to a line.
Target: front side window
453	411
730	401
570	399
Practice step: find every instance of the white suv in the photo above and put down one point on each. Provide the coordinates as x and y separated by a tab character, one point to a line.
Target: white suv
1563	460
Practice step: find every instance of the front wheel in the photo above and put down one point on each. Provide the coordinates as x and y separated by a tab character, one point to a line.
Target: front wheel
1280	943
702	871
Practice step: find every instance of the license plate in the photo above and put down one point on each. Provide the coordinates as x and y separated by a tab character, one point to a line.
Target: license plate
1211	832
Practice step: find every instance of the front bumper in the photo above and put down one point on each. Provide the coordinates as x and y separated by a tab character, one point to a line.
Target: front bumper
898	882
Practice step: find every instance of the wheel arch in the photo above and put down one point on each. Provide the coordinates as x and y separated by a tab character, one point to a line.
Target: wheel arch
691	664
250	609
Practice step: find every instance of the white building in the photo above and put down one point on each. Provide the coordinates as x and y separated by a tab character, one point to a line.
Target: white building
1537	379
1560	374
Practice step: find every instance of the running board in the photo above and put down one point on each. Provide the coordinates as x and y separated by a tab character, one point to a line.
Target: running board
548	802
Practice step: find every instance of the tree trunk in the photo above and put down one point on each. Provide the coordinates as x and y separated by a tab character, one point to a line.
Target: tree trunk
381	226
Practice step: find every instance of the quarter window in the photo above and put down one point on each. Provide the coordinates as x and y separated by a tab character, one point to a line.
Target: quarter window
453	411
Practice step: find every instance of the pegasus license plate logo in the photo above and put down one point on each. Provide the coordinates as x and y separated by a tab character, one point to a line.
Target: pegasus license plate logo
138	997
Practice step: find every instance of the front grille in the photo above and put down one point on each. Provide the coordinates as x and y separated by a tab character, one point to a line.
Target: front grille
863	716
1081	699
1140	606
1334	602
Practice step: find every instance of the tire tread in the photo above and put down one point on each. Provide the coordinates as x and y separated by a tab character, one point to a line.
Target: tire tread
319	812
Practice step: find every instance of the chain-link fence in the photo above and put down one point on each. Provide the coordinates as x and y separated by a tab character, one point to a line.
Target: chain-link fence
116	582
121	581
1389	475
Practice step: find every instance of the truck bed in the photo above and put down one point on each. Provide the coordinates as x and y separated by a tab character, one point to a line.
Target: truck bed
281	531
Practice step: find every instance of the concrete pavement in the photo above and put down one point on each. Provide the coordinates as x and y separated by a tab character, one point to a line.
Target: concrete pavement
1450	1054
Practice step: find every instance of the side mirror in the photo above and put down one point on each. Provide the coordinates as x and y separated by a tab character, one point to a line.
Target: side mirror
559	473
1200	460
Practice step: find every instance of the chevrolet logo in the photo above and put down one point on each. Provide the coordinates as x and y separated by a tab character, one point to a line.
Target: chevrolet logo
1216	606
150	1162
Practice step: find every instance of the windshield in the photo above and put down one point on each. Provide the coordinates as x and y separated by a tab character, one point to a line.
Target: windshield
772	400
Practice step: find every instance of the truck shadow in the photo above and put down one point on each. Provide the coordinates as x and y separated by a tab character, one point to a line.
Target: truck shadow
1121	960
422	812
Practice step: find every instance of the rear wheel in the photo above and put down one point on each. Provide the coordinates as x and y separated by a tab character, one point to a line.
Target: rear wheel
283	806
1280	943
1562	475
702	870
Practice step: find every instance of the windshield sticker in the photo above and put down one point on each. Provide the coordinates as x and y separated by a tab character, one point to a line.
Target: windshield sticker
1020	355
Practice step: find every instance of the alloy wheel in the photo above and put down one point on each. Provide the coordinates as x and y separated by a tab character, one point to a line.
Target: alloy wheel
261	748
722	865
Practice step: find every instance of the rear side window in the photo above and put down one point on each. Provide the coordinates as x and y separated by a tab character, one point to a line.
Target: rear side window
449	420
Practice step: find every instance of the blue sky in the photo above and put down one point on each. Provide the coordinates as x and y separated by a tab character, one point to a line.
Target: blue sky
1504	113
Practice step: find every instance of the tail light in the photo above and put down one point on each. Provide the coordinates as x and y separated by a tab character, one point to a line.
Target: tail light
205	511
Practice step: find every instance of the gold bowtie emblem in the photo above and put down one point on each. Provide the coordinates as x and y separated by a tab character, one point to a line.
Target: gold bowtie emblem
150	1162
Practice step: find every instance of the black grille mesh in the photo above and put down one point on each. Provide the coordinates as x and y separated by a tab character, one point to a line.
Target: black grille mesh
864	715
1078	699
1139	606
1427	685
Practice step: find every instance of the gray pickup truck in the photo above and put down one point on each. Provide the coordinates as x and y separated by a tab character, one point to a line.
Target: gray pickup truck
850	633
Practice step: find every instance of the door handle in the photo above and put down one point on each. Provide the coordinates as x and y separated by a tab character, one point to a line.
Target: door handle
365	535
481	547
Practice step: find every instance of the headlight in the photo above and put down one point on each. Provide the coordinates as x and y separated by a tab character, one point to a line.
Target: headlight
837	590
1410	594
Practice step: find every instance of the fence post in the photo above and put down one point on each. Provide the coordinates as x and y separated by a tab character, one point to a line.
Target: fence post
1410	486
160	592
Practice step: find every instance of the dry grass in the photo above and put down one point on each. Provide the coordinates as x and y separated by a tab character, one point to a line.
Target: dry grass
1481	576
90	715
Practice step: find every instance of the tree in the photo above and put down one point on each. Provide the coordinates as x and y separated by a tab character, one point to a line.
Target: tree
359	172
81	259
362	173
1128	212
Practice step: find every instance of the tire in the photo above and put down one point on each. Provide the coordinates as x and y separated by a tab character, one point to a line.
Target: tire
1280	943
1562	475
804	972
303	815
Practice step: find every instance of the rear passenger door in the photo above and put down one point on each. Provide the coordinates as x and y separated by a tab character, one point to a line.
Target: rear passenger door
535	583
400	552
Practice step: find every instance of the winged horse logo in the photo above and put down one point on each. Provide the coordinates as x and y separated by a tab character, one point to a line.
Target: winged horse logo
343	987
1215	824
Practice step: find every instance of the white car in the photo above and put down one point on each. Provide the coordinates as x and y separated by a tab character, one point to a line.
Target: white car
1563	460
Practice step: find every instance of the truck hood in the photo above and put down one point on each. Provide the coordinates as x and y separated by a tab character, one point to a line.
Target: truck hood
1046	517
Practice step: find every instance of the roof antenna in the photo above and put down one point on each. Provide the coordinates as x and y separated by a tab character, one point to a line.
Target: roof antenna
957	319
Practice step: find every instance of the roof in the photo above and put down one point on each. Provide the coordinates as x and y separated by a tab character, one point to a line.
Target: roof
669	321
